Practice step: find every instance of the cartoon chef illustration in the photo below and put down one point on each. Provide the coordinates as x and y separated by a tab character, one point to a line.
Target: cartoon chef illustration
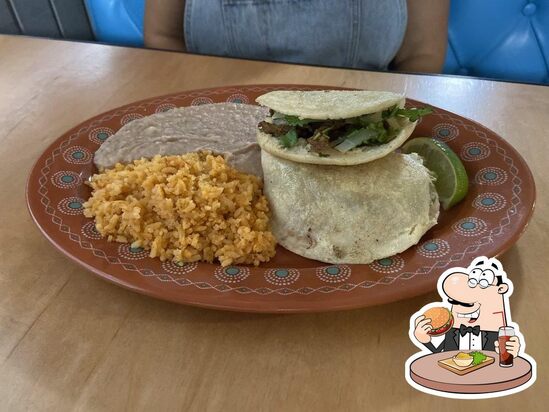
458	336
479	307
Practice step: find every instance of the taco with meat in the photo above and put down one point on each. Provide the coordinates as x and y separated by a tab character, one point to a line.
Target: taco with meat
335	127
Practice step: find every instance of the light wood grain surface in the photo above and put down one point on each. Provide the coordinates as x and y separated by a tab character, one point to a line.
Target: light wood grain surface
70	341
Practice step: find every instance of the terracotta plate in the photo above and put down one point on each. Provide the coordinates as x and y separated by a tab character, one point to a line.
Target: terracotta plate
491	218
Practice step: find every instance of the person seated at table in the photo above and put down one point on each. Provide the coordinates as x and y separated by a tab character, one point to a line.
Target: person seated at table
366	34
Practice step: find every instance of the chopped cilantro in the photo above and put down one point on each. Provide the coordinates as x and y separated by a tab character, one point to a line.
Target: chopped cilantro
415	113
366	119
390	112
289	139
381	134
346	134
296	121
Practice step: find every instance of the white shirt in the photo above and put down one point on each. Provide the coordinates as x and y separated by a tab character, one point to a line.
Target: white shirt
470	341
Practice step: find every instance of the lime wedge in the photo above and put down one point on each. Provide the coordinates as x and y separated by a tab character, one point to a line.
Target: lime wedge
452	182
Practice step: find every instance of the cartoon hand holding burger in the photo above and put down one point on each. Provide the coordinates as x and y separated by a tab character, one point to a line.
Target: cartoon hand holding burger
479	299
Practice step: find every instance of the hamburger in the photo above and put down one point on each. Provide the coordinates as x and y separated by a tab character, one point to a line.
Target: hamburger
441	320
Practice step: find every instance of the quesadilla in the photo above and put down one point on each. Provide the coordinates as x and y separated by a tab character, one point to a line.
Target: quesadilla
359	214
335	127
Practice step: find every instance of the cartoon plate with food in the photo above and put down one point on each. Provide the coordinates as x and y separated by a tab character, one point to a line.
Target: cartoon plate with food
470	347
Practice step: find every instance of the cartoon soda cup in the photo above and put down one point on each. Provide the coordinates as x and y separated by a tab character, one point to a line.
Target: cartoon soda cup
504	334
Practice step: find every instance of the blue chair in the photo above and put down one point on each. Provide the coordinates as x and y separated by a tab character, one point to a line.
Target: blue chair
499	39
506	40
117	21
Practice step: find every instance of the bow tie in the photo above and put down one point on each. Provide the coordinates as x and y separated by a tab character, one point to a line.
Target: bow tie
463	330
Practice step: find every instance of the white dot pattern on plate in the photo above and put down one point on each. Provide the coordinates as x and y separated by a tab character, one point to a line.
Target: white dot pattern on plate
491	176
489	202
66	179
232	274
445	132
334	273
165	107
201	100
281	276
434	248
391	264
100	134
71	206
474	151
130	117
132	253
470	226
77	155
90	231
176	268
238	98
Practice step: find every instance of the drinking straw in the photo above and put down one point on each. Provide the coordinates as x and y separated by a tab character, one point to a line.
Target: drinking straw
504	318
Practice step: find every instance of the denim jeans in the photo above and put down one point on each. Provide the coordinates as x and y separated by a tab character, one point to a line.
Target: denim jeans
344	33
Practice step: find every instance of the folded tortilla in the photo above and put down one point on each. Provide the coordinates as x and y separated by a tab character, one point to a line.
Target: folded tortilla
332	105
358	214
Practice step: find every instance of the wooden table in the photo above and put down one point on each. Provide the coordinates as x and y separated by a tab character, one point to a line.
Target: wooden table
70	341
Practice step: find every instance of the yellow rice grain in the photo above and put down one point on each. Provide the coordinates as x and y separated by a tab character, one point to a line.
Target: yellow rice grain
187	208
